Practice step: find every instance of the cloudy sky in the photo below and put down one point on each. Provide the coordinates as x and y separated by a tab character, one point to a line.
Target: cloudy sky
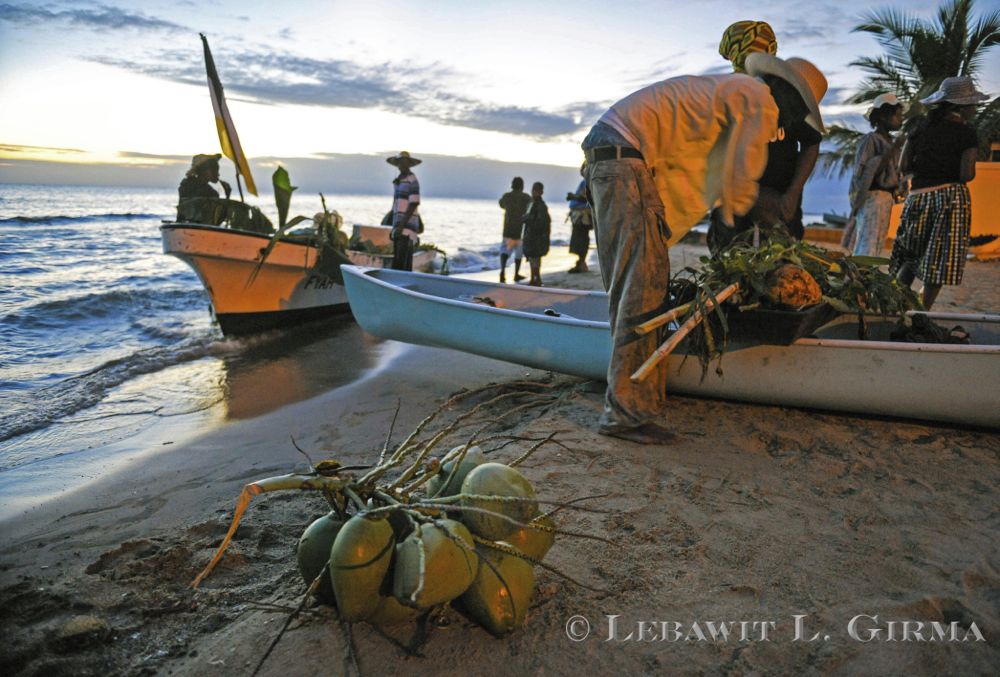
123	84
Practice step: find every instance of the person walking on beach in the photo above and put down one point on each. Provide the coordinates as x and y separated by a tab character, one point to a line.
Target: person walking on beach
581	219
791	156
406	226
537	227
664	155
514	204
876	181
933	236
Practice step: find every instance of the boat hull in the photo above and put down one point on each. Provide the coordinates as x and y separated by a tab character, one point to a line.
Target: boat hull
928	382
287	290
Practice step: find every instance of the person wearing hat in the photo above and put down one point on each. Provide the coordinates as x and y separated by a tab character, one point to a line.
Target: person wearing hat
791	156
876	180
198	201
406	225
658	160
940	153
204	170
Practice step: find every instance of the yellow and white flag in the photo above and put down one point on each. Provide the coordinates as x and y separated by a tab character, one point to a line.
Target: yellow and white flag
224	122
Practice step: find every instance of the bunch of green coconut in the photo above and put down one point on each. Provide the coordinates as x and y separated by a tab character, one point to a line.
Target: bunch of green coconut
467	531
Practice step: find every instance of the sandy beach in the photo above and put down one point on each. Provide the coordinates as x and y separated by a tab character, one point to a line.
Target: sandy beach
798	527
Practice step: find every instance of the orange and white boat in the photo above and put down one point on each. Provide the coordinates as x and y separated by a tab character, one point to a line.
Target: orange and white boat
295	284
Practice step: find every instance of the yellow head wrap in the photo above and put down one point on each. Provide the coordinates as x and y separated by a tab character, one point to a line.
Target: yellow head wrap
744	37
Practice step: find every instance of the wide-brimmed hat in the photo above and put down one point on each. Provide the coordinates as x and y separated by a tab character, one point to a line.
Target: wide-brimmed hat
887	99
808	81
403	155
960	91
198	160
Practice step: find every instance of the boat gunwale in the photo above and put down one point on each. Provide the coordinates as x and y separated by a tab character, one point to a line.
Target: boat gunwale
900	346
852	344
177	225
364	271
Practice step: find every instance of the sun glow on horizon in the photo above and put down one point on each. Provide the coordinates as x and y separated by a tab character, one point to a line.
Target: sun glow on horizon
517	83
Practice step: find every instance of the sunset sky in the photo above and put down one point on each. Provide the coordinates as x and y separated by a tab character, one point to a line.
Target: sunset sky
516	81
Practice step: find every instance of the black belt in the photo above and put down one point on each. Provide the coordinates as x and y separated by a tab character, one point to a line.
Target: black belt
611	153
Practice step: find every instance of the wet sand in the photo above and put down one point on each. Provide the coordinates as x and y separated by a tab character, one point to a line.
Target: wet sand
756	514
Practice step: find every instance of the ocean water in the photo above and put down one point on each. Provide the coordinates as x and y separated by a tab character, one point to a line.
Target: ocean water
102	336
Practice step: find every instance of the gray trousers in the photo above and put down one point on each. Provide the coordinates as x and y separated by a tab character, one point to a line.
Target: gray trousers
632	236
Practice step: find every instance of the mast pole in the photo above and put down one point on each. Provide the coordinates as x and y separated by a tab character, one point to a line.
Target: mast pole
239	185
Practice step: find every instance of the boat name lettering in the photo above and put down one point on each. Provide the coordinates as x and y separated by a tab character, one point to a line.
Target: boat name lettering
319	282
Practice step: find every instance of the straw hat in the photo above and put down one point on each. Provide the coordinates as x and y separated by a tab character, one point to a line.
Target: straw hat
808	81
960	91
198	160
888	99
395	160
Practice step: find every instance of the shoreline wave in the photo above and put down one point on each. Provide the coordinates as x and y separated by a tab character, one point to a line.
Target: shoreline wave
83	218
38	408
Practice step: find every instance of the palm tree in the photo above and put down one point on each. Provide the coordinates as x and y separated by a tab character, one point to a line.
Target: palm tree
917	55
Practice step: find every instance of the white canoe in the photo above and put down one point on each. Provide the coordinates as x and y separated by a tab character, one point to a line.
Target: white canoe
567	331
289	289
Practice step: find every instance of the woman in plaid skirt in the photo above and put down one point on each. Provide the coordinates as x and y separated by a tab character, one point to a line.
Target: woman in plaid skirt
933	236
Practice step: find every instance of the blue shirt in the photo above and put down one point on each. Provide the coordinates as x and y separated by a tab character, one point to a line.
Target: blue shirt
579	204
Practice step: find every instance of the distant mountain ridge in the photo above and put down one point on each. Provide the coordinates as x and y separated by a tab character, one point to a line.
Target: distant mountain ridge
440	176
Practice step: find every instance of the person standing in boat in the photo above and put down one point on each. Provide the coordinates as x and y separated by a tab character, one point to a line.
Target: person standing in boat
196	198
537	228
204	171
406	226
514	204
933	236
582	221
876	181
659	159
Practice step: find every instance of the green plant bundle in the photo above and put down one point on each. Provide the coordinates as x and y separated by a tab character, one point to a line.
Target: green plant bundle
850	284
429	246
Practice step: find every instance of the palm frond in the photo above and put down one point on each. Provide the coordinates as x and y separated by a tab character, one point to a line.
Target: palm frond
838	160
988	128
985	34
894	30
918	54
884	77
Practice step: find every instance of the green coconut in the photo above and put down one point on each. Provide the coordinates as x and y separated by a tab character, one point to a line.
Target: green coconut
313	553
448	568
534	543
473	457
391	612
496	479
359	560
500	606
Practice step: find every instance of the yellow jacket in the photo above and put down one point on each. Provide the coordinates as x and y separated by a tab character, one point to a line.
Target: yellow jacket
704	138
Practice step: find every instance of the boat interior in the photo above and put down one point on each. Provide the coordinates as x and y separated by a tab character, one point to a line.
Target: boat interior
981	330
566	303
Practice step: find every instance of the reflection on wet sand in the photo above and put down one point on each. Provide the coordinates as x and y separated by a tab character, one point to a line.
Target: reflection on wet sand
295	365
